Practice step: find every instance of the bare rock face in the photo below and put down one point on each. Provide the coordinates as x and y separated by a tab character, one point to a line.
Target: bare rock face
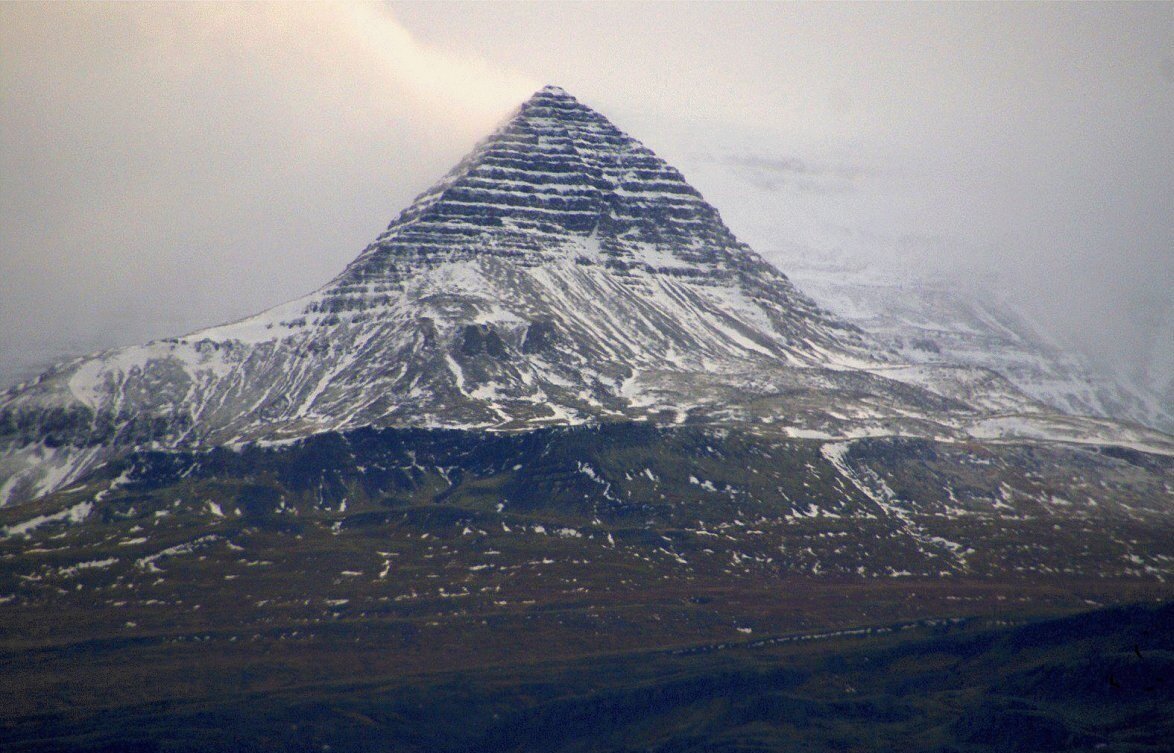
561	274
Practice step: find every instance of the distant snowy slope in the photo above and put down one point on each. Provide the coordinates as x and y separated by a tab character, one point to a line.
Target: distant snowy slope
937	319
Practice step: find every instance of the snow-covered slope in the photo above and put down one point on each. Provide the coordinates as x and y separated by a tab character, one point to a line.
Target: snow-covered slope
1154	376
562	273
934	319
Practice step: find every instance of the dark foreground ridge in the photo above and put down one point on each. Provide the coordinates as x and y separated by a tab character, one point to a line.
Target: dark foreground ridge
1088	682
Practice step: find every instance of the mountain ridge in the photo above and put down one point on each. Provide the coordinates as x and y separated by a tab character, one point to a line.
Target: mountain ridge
562	273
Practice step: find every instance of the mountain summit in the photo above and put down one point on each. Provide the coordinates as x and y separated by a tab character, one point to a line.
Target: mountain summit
562	273
560	184
558	181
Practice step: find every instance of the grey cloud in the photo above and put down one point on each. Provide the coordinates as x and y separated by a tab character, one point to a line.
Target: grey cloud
774	173
1166	68
783	165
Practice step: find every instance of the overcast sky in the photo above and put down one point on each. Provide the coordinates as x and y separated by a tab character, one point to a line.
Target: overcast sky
168	167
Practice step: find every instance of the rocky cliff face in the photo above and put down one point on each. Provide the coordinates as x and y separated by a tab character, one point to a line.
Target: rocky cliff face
560	274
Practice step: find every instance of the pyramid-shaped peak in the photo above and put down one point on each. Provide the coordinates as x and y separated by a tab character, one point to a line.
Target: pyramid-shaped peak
556	103
552	95
550	90
555	173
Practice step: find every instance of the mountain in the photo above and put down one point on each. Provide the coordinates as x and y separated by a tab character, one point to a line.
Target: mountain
552	452
560	274
939	319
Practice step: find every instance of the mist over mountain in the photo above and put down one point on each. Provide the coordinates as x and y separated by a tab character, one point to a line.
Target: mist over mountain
146	187
560	274
557	454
